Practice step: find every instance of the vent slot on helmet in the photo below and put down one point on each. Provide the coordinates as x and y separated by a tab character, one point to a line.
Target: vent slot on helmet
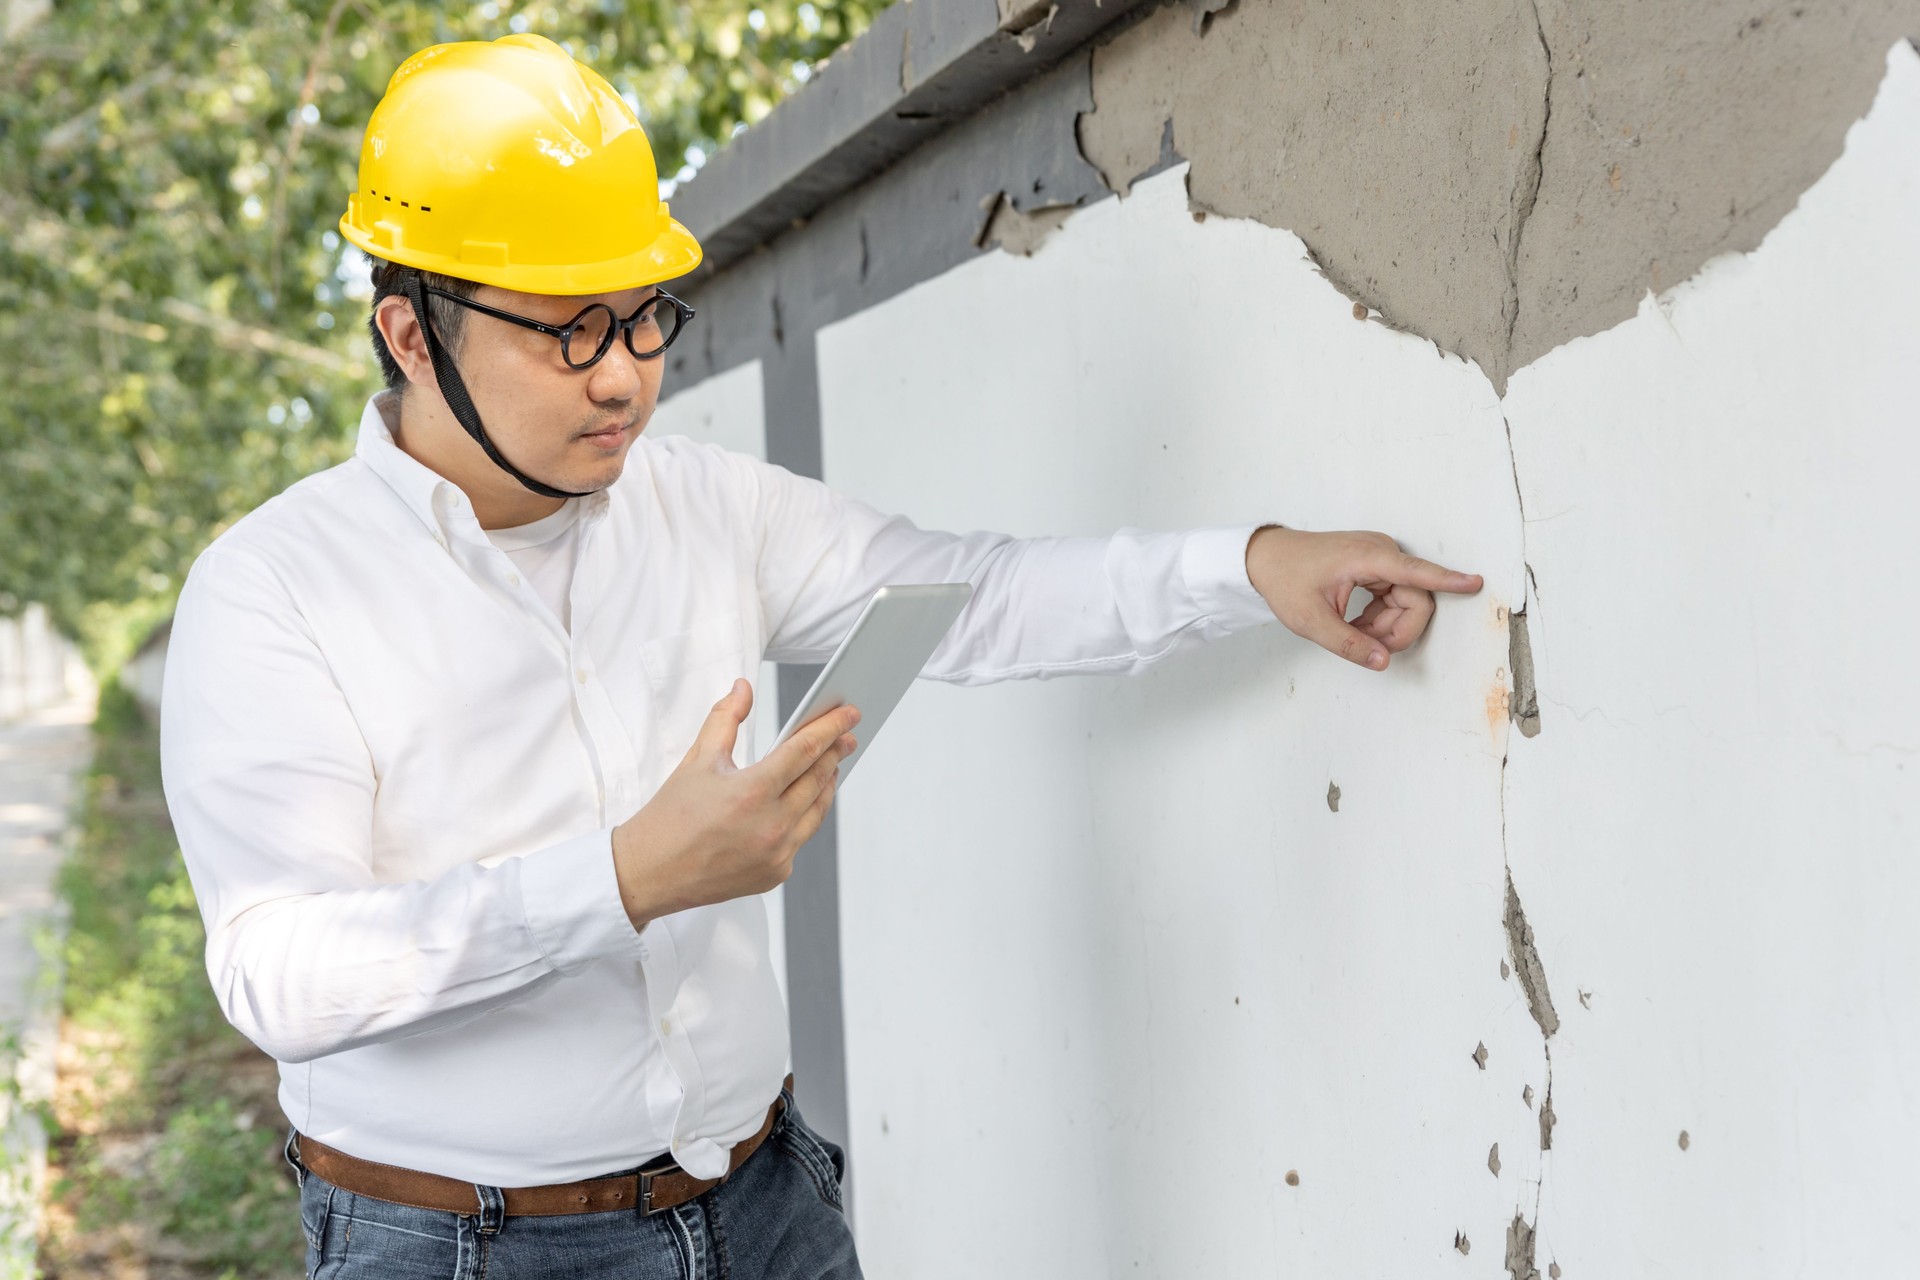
425	208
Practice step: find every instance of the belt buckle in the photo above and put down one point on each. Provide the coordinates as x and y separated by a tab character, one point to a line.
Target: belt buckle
645	1198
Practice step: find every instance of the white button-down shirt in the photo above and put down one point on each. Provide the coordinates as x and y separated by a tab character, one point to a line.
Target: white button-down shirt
394	776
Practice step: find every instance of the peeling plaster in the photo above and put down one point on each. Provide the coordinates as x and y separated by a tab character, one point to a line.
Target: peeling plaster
1526	962
1524	706
1028	24
1519	1262
1203	11
1019	231
1500	177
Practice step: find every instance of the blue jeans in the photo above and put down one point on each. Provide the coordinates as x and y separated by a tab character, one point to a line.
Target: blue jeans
778	1217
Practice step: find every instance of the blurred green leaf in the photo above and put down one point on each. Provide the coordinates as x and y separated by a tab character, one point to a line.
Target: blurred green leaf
182	328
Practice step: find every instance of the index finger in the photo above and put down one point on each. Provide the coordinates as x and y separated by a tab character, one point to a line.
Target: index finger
1414	572
809	742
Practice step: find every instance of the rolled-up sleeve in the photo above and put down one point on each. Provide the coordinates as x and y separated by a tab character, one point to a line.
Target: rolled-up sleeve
1041	607
271	787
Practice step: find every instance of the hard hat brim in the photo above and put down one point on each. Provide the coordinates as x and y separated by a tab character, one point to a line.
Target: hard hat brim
671	254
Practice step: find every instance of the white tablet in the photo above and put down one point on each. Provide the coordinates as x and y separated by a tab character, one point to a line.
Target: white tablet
888	647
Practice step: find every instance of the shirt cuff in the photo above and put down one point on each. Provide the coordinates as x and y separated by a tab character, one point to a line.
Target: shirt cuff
1214	563
570	898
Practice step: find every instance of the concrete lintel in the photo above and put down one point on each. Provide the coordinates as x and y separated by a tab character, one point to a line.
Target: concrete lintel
922	65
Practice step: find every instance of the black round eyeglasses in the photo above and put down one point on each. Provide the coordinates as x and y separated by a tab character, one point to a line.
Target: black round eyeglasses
587	337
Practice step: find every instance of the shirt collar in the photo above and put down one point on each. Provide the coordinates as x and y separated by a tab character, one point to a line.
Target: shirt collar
424	491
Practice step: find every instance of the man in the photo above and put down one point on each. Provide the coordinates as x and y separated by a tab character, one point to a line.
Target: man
477	860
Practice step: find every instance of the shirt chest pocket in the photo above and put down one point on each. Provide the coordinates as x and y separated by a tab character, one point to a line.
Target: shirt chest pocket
696	664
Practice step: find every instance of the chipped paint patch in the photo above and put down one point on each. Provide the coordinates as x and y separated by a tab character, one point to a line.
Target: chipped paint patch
1519	1261
1019	231
1526	962
1524	707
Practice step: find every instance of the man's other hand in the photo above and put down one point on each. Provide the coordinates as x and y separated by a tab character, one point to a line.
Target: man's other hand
715	831
1307	579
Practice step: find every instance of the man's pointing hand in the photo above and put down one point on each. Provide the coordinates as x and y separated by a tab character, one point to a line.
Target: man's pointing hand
1307	579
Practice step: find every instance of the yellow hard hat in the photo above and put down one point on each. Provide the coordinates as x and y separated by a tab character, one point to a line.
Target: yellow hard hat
508	163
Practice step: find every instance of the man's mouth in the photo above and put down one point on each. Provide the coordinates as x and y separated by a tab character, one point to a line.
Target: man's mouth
610	435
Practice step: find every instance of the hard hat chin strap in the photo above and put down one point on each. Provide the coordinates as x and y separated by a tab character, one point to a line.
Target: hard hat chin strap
455	392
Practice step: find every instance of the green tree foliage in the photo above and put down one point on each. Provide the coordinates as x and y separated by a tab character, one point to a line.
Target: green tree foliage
182	329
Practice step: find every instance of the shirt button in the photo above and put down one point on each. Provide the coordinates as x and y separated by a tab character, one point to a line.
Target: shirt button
581	675
513	579
666	1026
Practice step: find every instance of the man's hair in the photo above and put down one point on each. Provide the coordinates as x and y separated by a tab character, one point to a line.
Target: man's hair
449	318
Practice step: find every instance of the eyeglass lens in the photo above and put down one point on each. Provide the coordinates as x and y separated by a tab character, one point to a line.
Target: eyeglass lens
648	335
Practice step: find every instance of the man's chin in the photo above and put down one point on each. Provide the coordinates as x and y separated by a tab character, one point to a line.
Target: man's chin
602	475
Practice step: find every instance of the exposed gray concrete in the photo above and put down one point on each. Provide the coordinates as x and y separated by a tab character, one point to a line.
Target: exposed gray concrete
1499	176
43	756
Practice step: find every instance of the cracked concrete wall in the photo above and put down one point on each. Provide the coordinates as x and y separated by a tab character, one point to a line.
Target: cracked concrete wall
1504	175
1555	941
1538	956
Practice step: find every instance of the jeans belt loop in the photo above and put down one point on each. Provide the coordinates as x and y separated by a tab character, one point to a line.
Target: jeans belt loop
493	1209
290	1152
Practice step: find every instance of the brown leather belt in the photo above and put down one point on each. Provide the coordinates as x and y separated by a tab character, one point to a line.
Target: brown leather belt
651	1190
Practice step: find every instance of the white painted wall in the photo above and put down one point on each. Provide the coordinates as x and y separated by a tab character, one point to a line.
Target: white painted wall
1114	967
730	410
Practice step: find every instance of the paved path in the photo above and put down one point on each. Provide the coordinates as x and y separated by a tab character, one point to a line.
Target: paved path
43	757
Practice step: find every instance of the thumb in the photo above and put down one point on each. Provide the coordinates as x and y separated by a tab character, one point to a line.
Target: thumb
1334	635
723	722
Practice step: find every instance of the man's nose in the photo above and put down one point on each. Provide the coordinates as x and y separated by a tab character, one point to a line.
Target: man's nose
618	375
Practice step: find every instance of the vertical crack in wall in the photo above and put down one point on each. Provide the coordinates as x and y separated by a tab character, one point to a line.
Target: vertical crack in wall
1532	974
1526	193
1523	707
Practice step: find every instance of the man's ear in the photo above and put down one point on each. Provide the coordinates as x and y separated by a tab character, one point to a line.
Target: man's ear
401	329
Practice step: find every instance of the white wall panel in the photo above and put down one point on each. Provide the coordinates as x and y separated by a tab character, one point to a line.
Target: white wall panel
1113	964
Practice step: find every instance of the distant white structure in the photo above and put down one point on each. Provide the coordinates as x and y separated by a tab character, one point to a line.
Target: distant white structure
21	14
38	666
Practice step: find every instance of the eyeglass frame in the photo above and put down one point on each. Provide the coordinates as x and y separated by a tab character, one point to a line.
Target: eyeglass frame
623	327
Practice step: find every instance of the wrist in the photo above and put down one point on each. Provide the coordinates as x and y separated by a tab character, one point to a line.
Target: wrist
628	874
1257	540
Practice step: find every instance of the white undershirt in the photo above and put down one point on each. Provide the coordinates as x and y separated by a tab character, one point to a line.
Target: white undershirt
544	552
